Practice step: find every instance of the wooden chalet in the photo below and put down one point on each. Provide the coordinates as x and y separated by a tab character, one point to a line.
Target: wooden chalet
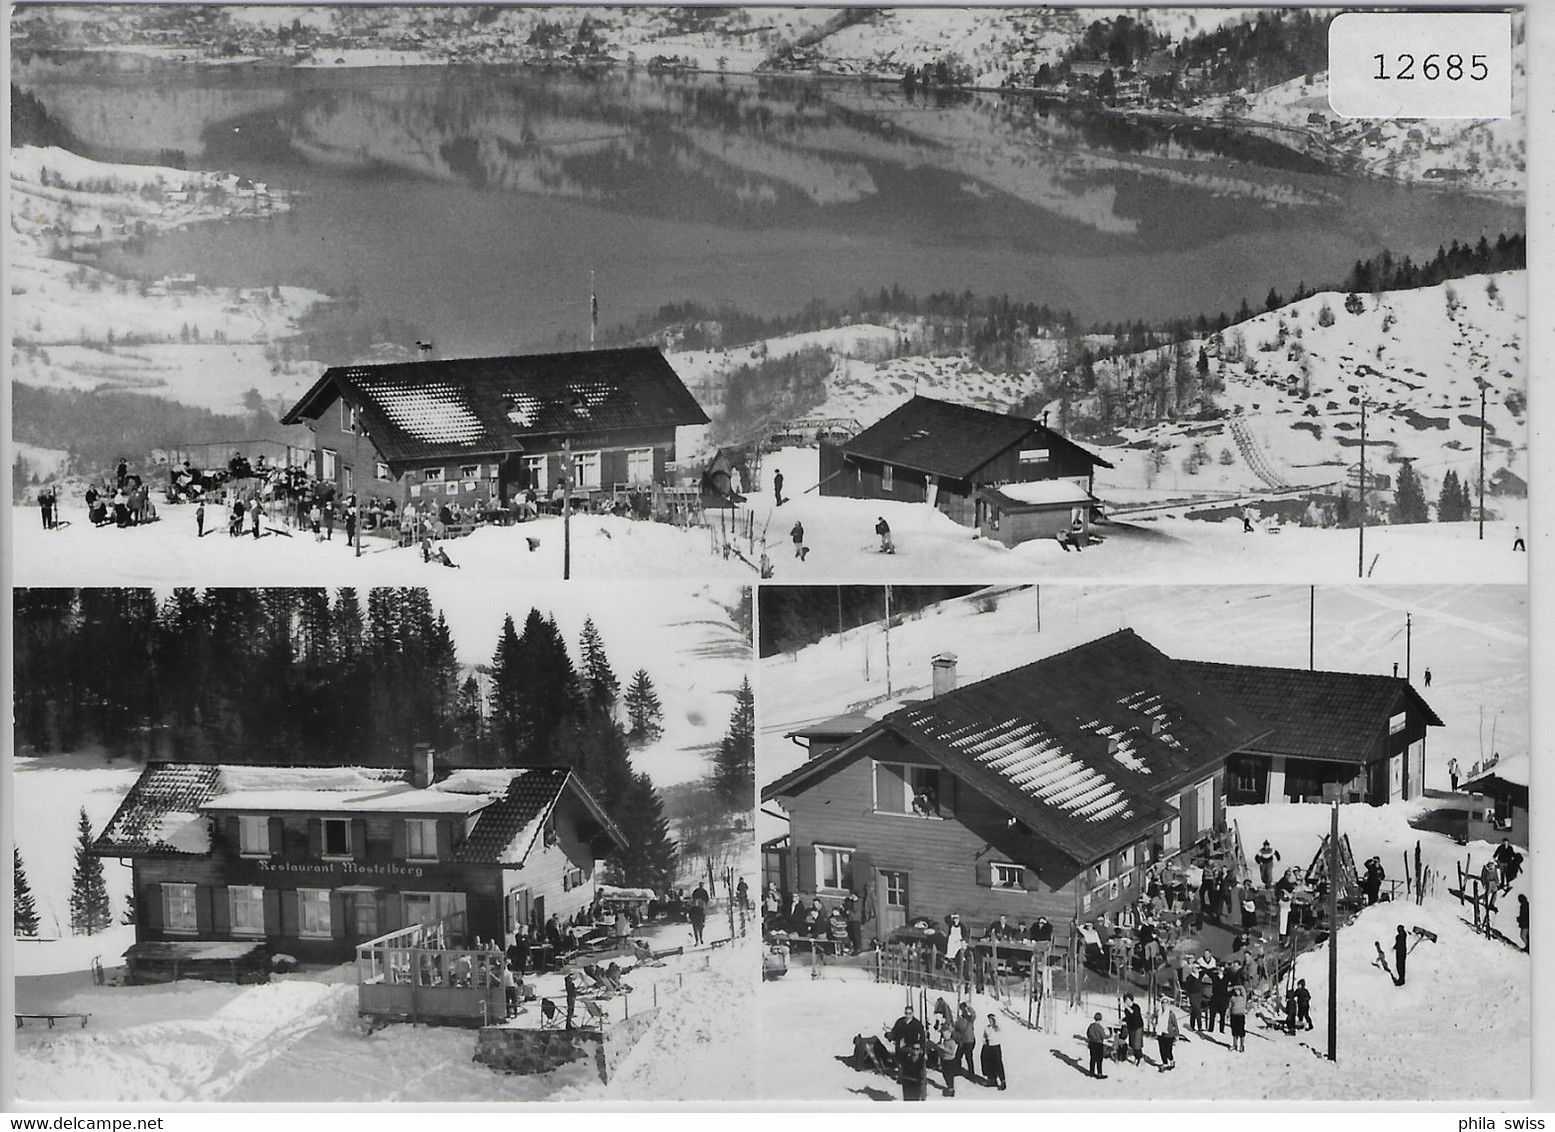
311	861
940	453
1366	733
1048	789
476	430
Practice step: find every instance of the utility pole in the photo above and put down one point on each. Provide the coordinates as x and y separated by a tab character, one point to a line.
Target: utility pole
1311	628
1482	388
356	475
888	640
566	510
1333	934
1360	571
593	309
1408	642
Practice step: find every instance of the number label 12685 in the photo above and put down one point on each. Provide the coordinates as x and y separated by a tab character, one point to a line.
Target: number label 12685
1433	68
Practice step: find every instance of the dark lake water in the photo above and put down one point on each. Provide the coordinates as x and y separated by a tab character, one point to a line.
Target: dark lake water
473	203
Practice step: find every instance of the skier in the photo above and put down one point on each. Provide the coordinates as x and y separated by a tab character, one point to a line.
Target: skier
993	1053
1503	858
1517	539
883	529
1166	1038
1452	773
1266	856
905	1032
199	519
1401	952
777	487
1096	1040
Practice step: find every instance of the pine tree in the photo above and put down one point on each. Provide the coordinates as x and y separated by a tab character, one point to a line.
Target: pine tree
644	713
90	912
734	766
470	721
506	688
25	911
649	859
1449	504
600	686
1409	497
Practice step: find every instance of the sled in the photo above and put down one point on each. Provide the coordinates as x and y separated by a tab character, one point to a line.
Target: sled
1423	933
60	524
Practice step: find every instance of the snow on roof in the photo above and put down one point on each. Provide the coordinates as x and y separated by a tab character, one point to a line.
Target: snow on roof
240	778
183	831
1045	491
478	781
401	798
1035	761
1513	769
434	413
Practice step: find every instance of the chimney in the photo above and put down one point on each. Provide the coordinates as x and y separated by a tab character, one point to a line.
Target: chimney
421	766
944	673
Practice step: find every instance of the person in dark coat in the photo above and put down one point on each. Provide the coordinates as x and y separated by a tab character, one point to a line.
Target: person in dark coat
199	519
1400	952
906	1031
912	1071
571	983
1522	919
1265	858
797	534
883	529
1219	1000
1303	1004
853	914
124	472
777	488
1134	1023
1096	1042
698	913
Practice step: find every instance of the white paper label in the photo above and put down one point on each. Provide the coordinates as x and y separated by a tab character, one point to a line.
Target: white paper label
1420	64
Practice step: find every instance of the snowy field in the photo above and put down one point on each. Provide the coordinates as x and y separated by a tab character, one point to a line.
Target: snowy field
297	1039
1474	640
843	547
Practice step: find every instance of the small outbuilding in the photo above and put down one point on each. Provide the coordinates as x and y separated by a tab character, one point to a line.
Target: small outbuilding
1019	512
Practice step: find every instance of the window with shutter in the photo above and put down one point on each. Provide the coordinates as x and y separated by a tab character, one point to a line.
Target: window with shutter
1009	877
246	909
254	836
421	839
313	914
337	837
178	909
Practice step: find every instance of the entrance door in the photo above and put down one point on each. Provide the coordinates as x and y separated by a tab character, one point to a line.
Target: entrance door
1395	777
363	915
891	900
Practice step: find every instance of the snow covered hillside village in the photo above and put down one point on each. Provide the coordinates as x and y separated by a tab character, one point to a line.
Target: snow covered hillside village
1048	822
695	293
273	845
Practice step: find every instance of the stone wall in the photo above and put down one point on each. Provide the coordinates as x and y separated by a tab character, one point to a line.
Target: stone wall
509	1049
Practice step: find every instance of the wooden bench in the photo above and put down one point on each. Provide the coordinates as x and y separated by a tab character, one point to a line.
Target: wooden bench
49	1018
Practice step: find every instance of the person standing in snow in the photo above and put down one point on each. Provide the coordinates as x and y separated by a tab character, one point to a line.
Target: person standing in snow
1452	773
1503	857
1238	1010
905	1031
1517	539
964	1030
1134	1023
259	516
1166	1040
199	519
1096	1042
912	1070
1219	1000
797	534
883	529
1266	856
1401	952
1427	677
1522	919
1303	1004
777	488
315	517
993	1053
697	913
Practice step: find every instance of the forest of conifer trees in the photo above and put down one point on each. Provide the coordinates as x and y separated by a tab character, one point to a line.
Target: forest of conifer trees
306	677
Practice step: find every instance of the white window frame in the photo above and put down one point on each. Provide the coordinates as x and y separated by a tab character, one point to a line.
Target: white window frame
586	468
636	473
1398	722
837	859
250	898
381	471
538	470
253	836
1036	455
180	915
329	466
424	832
887	478
432	475
315	900
1171	837
347	416
1204	801
348	480
324	850
469	471
1006	877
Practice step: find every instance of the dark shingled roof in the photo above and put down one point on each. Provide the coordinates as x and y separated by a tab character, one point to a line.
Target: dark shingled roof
531	796
440	410
1339	716
1088	747
946	439
161	789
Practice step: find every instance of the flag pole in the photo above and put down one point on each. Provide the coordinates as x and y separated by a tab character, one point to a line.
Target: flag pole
593	310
